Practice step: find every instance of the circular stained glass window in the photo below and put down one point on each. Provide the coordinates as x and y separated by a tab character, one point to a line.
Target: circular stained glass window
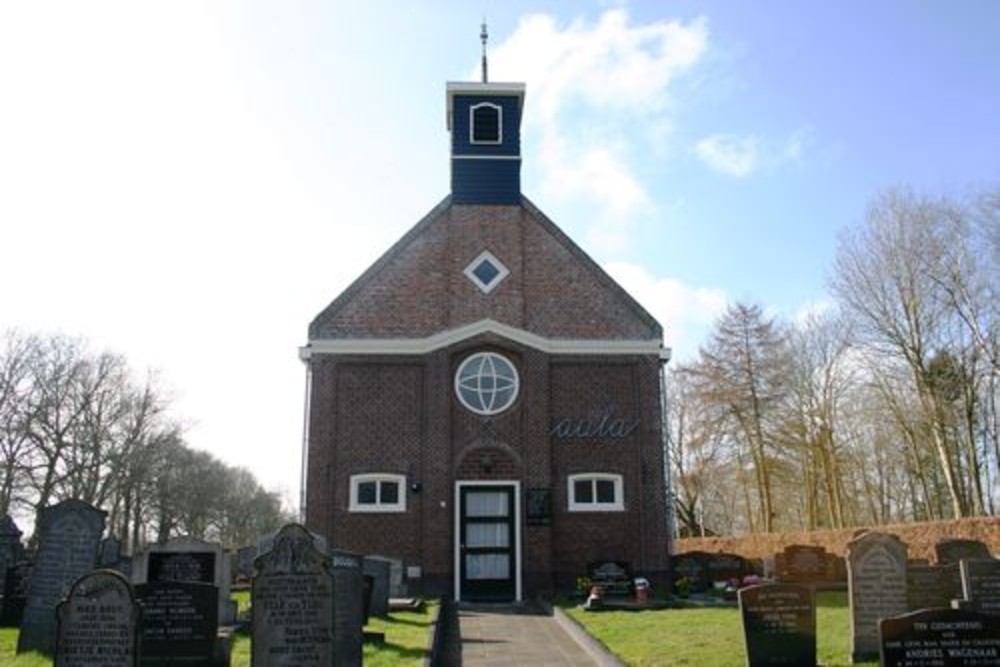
486	383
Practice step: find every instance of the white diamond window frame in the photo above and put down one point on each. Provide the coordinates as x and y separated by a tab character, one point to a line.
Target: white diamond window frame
470	271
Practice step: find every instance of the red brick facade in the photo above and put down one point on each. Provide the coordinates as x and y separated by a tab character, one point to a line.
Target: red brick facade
564	325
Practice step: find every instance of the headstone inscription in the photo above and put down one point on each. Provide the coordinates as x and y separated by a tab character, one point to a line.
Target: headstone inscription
779	625
190	560
180	622
69	535
378	569
292	605
613	576
348	606
876	583
931	586
16	596
981	586
10	546
98	623
952	551
940	638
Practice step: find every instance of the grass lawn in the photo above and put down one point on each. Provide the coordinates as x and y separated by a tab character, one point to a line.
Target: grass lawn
696	637
406	636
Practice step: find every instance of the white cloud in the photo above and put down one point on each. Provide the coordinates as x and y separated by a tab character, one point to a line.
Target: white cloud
687	313
594	92
729	155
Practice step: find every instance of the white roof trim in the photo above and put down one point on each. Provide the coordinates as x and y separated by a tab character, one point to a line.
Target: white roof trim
452	336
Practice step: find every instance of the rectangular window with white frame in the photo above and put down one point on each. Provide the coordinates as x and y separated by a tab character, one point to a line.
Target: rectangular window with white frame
378	492
596	492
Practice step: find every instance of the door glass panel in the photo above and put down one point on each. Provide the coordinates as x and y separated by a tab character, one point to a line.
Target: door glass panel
487	534
486	503
487	566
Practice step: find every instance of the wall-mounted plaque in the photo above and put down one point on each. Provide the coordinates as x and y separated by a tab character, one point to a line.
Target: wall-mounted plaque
539	507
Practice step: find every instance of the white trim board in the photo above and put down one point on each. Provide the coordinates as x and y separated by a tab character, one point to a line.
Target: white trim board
458	334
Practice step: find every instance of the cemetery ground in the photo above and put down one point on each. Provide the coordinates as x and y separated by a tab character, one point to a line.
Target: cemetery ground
406	637
695	636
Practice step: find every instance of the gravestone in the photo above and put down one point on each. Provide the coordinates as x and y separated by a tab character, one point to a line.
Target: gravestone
981	586
613	576
952	551
10	546
779	625
693	567
348	606
876	582
940	638
180	622
726	567
190	560
98	623
292	602
244	563
803	563
111	552
16	596
930	586
377	568
69	534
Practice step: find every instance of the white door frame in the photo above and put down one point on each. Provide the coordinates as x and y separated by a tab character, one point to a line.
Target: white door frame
458	531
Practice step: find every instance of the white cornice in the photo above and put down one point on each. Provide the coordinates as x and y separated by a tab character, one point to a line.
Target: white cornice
452	336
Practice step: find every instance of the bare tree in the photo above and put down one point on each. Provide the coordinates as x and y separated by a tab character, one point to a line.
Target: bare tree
743	369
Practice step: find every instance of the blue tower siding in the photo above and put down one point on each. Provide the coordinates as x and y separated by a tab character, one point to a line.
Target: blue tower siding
485	181
510	128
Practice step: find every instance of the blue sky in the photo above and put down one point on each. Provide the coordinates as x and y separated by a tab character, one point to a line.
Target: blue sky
189	183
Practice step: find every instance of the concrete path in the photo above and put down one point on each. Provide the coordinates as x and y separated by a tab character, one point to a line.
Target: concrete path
512	636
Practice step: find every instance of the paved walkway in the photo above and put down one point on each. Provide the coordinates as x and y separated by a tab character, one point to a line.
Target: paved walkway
512	636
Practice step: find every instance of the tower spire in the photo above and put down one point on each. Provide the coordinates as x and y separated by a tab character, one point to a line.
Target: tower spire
483	35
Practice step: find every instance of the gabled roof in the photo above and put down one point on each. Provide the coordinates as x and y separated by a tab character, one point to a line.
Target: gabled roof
386	287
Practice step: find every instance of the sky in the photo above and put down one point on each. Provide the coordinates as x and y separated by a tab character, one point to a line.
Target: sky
190	183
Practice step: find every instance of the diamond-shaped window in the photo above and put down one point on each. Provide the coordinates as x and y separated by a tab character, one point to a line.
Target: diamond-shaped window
486	271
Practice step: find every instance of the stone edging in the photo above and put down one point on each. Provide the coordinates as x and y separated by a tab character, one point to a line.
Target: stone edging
598	651
435	638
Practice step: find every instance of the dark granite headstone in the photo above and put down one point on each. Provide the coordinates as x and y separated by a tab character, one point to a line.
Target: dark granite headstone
111	552
348	606
187	559
876	582
293	603
68	538
98	623
378	569
10	546
952	551
981	586
930	586
940	638
180	622
16	596
611	575
779	625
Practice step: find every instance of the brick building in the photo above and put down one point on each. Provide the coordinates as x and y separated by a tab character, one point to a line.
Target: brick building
484	401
